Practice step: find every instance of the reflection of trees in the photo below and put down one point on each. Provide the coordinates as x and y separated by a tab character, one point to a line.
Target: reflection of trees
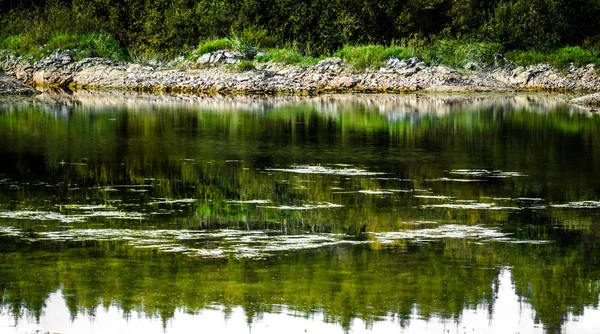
344	283
217	156
440	279
126	144
189	153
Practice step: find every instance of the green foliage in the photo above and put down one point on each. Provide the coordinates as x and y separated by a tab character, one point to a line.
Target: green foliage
245	65
244	46
561	58
440	31
235	43
258	38
456	53
151	57
214	45
20	45
362	57
289	56
528	24
88	45
83	45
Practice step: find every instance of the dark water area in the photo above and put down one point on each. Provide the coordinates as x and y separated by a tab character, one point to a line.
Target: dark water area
348	214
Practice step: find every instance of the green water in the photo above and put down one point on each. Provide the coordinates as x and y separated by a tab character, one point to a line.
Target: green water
402	214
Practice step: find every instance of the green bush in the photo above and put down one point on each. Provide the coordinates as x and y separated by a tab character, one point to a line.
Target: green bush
213	45
527	24
457	53
149	56
258	38
561	58
88	45
443	31
20	45
289	56
245	65
362	57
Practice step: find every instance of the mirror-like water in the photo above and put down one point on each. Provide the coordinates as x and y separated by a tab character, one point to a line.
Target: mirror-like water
139	213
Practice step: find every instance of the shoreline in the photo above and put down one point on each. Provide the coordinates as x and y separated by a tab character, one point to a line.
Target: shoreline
11	87
331	75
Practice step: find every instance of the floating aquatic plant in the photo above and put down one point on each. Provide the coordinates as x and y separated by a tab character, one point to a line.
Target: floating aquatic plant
308	169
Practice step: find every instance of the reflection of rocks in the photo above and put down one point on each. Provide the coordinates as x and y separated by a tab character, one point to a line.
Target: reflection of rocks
592	100
402	106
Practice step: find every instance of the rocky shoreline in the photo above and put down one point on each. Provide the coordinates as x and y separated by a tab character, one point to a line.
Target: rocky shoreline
11	86
216	73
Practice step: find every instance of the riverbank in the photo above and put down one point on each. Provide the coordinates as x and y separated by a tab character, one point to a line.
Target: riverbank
328	75
10	86
219	72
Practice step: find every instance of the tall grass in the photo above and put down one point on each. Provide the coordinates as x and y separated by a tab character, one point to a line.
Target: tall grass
289	55
456	53
561	58
83	45
148	56
214	45
445	51
362	57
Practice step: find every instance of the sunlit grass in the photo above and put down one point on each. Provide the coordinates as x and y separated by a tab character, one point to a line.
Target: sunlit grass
82	45
561	58
374	56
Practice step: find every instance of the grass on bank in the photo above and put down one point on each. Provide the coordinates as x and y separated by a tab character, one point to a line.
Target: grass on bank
450	52
561	58
83	45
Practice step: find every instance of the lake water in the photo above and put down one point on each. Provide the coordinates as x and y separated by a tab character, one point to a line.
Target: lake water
125	213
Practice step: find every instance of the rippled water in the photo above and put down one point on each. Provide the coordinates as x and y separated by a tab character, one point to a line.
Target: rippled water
413	214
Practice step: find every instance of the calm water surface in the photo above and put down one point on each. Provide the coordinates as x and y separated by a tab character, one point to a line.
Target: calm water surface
378	214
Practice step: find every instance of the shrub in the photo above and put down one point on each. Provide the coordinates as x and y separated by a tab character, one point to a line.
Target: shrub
213	45
457	53
527	24
245	65
255	37
560	58
152	57
362	57
289	56
88	45
20	45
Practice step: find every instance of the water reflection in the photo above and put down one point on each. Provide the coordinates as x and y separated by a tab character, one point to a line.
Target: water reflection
509	315
417	213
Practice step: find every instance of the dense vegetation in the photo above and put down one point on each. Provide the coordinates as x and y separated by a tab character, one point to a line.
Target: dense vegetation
145	28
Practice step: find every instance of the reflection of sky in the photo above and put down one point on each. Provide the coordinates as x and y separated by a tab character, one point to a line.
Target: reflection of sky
509	316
